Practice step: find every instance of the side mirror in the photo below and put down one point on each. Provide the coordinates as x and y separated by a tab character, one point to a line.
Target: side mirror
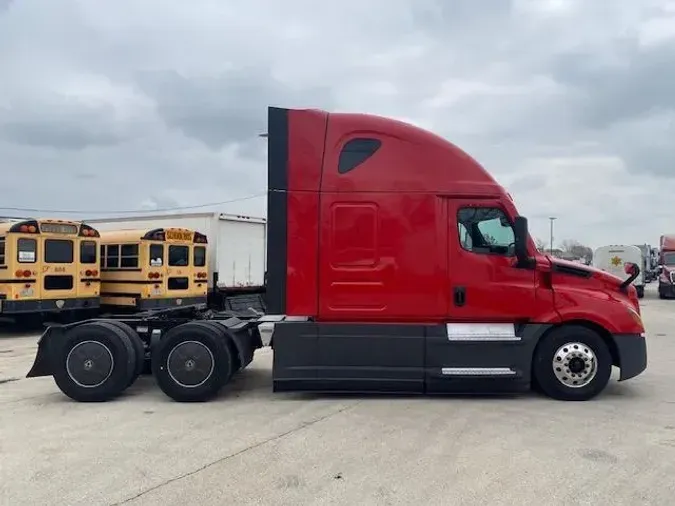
520	241
633	271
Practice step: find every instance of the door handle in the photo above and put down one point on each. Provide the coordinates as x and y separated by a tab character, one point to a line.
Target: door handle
459	295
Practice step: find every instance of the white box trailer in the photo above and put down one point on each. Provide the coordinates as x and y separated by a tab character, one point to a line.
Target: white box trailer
237	246
613	258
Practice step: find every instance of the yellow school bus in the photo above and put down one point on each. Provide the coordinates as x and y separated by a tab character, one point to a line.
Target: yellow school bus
48	266
153	269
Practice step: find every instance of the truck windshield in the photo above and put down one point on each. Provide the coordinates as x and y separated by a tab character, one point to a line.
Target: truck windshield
669	258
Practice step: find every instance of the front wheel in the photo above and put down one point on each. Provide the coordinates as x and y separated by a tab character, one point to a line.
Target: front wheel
572	363
640	291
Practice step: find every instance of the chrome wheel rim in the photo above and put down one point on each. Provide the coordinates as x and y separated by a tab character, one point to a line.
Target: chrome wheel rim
575	365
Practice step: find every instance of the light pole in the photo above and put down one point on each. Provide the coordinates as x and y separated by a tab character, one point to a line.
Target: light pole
552	219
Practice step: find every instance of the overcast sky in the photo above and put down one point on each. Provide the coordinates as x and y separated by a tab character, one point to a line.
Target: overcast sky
141	104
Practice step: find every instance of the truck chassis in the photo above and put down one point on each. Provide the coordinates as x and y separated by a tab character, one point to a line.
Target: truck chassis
193	354
96	360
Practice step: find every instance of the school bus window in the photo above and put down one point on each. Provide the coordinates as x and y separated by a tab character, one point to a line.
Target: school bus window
129	256
199	256
112	256
156	255
58	251
88	252
26	251
179	256
2	251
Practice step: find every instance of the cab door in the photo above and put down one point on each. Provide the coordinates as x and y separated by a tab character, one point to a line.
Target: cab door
479	346
59	271
88	281
26	258
153	261
486	285
178	272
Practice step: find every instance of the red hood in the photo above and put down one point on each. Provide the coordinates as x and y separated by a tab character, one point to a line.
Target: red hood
600	274
605	279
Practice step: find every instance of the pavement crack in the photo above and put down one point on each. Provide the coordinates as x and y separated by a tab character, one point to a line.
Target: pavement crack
240	452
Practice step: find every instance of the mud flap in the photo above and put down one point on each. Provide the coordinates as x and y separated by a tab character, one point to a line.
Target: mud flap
43	363
244	341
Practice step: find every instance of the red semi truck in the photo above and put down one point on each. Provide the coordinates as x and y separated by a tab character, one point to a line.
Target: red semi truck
667	266
396	263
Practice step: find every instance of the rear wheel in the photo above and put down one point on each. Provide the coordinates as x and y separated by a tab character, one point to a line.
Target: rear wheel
95	362
572	363
138	345
192	362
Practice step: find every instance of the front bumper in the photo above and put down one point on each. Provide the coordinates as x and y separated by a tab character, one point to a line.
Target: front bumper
631	350
667	289
10	307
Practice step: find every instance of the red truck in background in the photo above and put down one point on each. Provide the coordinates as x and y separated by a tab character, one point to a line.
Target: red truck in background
667	266
396	263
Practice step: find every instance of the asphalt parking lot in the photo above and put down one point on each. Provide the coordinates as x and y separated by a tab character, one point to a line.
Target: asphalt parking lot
254	447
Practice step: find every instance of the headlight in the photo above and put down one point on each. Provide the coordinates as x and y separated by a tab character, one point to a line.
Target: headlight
636	316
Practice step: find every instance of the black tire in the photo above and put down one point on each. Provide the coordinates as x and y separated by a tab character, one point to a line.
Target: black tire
96	341
640	291
204	351
138	345
223	334
582	340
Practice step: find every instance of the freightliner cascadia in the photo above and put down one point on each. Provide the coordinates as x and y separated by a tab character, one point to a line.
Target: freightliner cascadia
396	263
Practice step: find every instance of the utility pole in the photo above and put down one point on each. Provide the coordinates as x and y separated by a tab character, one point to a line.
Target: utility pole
552	219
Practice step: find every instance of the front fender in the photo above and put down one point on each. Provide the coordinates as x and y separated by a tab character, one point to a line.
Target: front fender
618	321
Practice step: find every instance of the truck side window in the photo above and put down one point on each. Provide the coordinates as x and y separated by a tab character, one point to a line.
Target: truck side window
464	237
355	152
485	230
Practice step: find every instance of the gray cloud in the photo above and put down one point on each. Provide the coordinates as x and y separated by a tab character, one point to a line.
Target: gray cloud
224	109
640	82
127	105
62	126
